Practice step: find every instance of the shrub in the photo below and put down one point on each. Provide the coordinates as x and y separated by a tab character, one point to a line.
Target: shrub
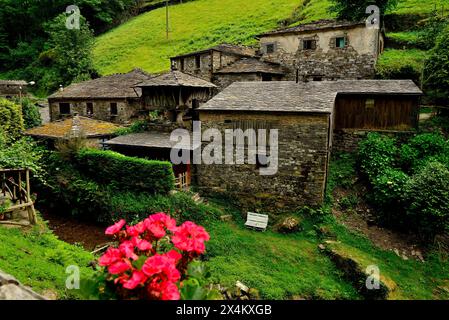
427	200
152	259
376	154
11	120
31	114
417	152
126	173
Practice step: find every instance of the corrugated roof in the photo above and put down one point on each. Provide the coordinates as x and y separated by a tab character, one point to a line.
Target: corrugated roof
304	97
114	86
175	79
226	48
58	129
252	65
316	25
150	140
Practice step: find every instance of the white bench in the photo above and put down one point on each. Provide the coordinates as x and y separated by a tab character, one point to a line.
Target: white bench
257	221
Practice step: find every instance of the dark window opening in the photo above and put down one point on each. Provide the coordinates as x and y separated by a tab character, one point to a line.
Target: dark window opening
309	44
269	48
267	77
340	42
195	112
89	108
114	109
261	161
182	64
198	62
317	78
228	121
64	108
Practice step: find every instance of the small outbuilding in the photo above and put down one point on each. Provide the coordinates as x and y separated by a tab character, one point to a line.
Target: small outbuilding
305	115
13	88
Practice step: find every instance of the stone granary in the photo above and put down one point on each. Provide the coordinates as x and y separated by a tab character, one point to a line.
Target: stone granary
13	88
112	98
225	63
306	115
324	50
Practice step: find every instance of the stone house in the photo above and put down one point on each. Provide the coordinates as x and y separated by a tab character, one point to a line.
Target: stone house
324	50
305	115
112	98
13	88
225	63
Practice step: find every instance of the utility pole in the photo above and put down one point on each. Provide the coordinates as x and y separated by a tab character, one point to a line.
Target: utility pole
166	16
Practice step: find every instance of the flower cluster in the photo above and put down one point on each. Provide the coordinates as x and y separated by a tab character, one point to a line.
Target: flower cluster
152	256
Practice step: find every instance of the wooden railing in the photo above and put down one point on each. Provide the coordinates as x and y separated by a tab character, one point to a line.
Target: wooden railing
183	181
15	187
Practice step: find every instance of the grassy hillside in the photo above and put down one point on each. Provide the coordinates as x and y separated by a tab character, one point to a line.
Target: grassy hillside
142	42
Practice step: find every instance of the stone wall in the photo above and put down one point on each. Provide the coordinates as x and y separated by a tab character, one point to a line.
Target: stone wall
301	176
223	80
10	91
128	110
347	140
327	62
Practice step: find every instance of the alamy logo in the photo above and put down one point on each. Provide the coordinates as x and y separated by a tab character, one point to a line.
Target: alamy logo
373	21
373	279
73	20
236	142
73	280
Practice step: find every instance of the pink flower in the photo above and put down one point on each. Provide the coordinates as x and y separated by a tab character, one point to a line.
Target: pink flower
170	292
157	223
163	290
163	266
190	237
119	267
111	255
115	228
141	244
137	279
136	230
127	249
174	255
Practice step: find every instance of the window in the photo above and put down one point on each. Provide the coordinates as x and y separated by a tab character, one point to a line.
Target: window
309	44
317	78
64	108
267	77
182	64
89	108
269	48
369	103
340	42
114	109
198	62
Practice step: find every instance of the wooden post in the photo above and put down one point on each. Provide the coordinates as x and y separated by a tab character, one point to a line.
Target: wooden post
31	212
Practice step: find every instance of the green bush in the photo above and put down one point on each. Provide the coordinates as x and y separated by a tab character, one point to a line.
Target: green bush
126	173
30	113
376	154
417	152
427	200
11	120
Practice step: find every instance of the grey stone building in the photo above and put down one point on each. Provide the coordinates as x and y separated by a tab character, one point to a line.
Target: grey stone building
305	115
325	50
112	98
13	88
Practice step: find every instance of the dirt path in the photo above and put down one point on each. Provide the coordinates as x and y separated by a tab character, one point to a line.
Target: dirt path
73	231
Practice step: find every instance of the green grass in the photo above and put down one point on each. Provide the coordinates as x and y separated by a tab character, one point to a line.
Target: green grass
38	259
402	64
141	42
408	38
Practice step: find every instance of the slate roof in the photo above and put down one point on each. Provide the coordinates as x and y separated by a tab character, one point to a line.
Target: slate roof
303	97
252	65
118	85
175	79
226	48
58	129
314	26
148	140
14	82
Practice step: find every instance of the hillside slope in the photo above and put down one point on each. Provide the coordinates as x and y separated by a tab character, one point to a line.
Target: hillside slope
141	42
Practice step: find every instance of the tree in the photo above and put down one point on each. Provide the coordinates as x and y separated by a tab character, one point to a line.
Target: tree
355	10
69	51
436	69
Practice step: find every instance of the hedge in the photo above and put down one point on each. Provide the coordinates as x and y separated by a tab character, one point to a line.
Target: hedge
126	173
11	120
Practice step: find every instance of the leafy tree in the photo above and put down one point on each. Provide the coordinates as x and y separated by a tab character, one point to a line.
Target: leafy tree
30	113
436	69
11	121
355	10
